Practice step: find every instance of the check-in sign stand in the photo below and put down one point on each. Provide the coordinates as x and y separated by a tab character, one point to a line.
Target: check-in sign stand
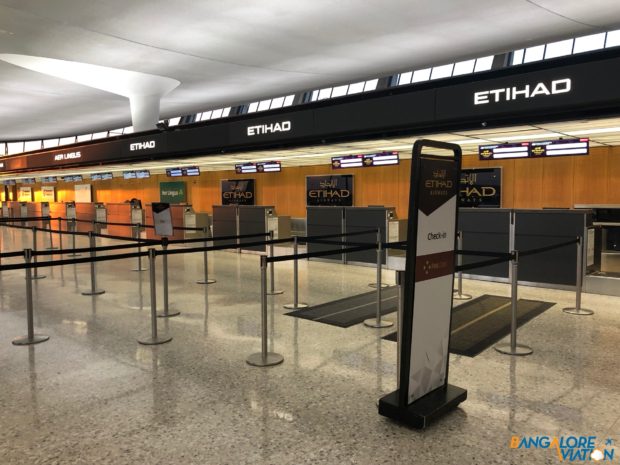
424	393
162	219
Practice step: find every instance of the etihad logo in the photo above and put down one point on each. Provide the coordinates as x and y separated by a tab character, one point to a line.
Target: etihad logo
328	184
149	144
283	126
67	156
506	94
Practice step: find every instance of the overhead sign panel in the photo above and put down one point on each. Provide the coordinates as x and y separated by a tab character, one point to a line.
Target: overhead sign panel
561	147
365	160
504	151
259	167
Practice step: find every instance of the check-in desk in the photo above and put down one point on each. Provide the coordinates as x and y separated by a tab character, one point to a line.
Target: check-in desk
603	251
121	213
85	212
337	220
240	220
192	219
488	230
6	211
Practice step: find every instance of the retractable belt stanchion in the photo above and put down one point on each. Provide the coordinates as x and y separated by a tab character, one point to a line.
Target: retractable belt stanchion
272	274
31	337
93	276
264	358
296	304
36	274
377	322
577	309
60	233
49	225
206	279
166	313
458	293
154	338
513	348
73	228
375	284
136	235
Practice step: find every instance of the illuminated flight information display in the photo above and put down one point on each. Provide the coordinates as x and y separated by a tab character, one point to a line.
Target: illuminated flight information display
258	167
365	160
546	148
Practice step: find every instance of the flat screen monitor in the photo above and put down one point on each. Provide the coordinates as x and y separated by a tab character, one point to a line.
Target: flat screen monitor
268	167
142	174
191	171
129	175
174	172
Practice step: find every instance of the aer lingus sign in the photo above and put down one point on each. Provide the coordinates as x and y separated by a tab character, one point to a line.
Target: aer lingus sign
173	192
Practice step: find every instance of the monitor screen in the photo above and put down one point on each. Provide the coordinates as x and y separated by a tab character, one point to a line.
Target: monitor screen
174	172
268	166
141	174
100	176
245	168
9	182
49	179
191	171
129	175
28	180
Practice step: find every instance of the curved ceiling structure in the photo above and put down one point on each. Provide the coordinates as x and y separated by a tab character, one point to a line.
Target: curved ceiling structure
226	53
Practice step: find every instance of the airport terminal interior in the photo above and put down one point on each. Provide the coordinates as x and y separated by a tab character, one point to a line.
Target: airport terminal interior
309	234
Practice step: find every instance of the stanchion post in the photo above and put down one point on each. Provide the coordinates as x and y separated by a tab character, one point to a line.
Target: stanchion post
166	313
93	275
51	238
31	337
376	283
513	348
458	295
60	233
272	272
205	259
377	322
73	228
136	235
296	304
154	338
36	274
264	358
577	309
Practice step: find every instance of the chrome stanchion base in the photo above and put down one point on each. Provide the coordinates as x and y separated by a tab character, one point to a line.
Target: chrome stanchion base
374	285
153	341
139	269
275	292
39	276
26	341
295	307
257	359
95	292
578	311
137	306
372	323
520	350
458	296
208	281
168	314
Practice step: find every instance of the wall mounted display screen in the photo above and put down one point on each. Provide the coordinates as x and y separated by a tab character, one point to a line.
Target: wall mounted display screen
129	175
545	148
243	168
100	176
335	190
9	182
365	160
28	180
268	167
504	151
191	171
72	178
49	179
561	147
142	174
174	172
481	187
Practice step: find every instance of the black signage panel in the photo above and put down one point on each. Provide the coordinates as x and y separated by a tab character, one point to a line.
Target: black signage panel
238	192
550	89
329	190
504	151
213	136
560	148
481	187
272	128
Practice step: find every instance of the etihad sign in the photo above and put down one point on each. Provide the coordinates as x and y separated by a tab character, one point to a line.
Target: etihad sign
283	126
149	144
67	156
507	94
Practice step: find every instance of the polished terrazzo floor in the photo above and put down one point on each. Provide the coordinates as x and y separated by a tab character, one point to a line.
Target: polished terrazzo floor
93	395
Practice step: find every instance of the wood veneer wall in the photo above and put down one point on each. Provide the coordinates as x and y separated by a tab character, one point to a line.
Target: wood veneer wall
553	182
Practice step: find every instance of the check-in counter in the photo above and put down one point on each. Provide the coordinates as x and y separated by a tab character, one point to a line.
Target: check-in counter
239	220
225	223
488	230
337	220
280	225
192	219
119	213
85	211
6	212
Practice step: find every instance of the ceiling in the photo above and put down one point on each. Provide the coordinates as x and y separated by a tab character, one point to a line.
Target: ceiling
602	132
238	51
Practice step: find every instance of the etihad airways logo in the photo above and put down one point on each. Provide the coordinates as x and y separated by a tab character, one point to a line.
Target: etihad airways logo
506	94
282	126
149	144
